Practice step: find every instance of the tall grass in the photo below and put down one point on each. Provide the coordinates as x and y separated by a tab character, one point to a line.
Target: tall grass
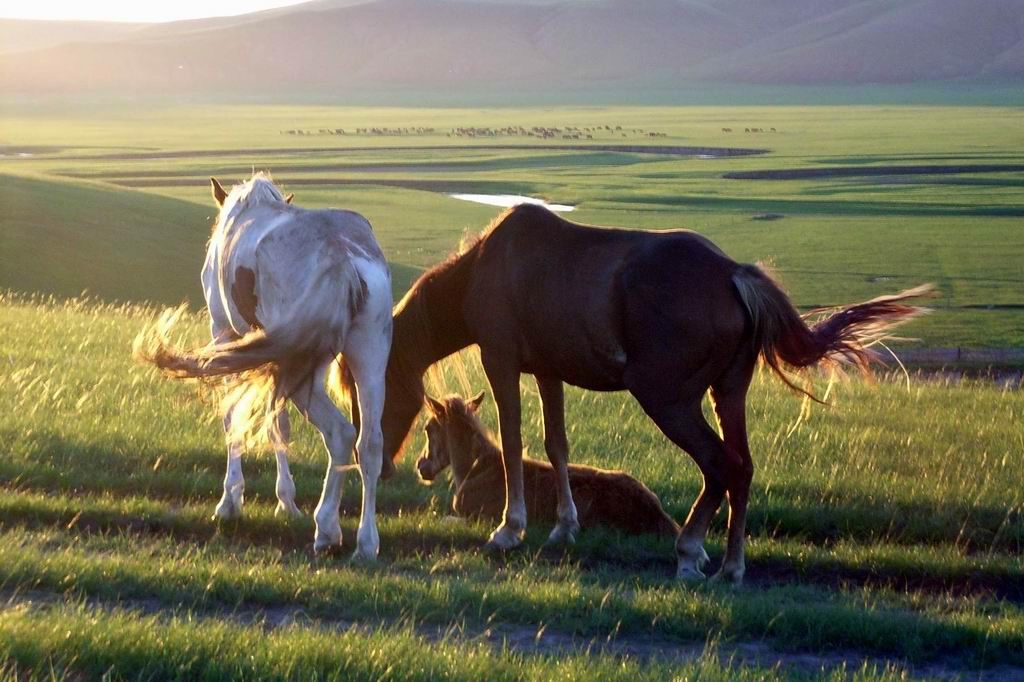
888	524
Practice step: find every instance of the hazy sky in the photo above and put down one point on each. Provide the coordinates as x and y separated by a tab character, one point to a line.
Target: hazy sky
132	10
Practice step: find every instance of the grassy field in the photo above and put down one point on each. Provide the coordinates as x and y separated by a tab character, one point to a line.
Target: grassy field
886	530
116	201
886	534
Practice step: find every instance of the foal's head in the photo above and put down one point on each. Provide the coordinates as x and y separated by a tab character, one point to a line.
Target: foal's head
452	430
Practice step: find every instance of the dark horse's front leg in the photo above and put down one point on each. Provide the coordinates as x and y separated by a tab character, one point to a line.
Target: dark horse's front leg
503	375
556	444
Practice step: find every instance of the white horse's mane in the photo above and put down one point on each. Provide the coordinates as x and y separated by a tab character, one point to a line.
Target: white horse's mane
259	189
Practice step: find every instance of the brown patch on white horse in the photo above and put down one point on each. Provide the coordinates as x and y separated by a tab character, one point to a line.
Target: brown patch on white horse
243	293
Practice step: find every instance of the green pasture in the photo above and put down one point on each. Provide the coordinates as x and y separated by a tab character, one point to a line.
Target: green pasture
114	200
886	527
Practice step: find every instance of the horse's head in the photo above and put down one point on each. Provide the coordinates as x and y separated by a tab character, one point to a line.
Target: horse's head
451	431
258	188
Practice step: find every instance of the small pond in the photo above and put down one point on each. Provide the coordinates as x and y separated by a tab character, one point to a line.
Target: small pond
506	200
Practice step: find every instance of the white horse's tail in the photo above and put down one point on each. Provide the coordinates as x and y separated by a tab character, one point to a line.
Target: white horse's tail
266	366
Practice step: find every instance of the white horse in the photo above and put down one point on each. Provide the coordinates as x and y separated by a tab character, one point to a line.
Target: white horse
289	290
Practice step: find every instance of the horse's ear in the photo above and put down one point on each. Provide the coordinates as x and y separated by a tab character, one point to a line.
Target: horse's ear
474	403
219	195
435	406
288	199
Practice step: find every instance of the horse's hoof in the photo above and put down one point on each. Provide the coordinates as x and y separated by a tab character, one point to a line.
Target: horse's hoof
729	574
227	510
326	551
327	547
690	574
493	548
363	558
504	539
690	563
562	536
287	509
328	544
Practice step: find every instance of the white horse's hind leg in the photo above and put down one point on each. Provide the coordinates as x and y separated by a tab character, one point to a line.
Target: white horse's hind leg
339	438
230	505
367	360
285	489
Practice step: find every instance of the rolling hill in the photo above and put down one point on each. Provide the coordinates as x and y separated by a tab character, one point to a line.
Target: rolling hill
339	46
66	238
20	35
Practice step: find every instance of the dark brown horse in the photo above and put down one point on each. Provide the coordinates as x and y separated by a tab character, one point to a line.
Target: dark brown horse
664	315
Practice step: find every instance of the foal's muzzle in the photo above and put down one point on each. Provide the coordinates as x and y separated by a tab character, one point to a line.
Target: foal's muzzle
426	469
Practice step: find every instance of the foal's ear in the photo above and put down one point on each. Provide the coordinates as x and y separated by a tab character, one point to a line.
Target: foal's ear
435	406
219	195
474	403
288	199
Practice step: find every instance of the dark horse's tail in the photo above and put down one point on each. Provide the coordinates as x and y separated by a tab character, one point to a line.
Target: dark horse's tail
784	339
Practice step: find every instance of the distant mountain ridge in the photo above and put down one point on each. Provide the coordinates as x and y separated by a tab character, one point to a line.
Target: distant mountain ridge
333	46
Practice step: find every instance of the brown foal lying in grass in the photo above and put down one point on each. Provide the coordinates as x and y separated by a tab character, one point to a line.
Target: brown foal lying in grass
456	438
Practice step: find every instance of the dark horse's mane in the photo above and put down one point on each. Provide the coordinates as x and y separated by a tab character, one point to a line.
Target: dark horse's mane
417	333
411	312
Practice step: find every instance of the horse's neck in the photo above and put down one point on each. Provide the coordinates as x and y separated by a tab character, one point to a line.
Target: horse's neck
429	322
484	454
462	464
429	325
481	447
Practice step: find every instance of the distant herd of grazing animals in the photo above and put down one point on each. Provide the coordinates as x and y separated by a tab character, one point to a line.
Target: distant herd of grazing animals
298	298
542	132
418	130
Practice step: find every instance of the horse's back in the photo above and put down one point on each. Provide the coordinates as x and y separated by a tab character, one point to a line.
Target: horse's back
682	317
228	275
548	286
617	500
568	294
273	257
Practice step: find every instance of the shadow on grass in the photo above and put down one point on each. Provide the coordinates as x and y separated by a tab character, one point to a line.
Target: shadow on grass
853	515
121	467
94	489
601	556
1001	583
